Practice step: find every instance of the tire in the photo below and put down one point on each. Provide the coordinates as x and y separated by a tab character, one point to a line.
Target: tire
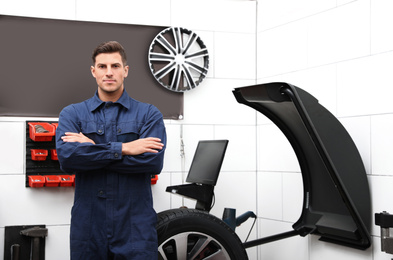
190	234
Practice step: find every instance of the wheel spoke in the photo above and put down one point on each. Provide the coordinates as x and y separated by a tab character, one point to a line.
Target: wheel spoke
190	42
219	255
178	39
199	247
196	67
176	78
164	43
155	56
198	54
181	247
165	70
188	77
161	254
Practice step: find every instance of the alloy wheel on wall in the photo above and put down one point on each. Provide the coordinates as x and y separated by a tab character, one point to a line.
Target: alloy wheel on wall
178	59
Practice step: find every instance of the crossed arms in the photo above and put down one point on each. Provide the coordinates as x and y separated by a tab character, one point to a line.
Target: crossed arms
139	146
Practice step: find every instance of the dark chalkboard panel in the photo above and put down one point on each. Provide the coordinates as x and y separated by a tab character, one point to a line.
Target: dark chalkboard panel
45	65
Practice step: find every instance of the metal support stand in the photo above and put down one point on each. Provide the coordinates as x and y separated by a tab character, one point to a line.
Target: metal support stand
273	238
385	221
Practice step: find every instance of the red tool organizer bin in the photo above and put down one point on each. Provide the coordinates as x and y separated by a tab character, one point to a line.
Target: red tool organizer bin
38	154
36	181
53	154
41	137
67	180
52	180
154	179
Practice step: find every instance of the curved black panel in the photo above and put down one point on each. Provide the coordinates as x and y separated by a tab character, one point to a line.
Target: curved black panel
337	202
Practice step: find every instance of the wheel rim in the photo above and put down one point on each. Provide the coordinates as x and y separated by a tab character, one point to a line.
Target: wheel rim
178	59
192	245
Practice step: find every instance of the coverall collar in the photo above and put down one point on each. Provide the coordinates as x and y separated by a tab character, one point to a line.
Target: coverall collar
96	102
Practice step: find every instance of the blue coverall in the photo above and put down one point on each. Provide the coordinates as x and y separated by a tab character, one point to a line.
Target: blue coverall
112	216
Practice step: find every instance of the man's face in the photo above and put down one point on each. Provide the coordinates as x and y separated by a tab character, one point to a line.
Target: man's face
109	72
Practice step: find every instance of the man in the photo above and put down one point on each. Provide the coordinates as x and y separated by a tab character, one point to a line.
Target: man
113	144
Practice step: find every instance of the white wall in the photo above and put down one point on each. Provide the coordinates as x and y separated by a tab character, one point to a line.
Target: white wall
339	51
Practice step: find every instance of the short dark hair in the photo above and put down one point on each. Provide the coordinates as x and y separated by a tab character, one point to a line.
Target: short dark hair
110	47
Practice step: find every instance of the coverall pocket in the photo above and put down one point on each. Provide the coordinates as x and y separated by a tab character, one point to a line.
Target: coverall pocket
127	132
93	130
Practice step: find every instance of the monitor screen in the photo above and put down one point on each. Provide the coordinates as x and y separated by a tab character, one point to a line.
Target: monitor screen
207	162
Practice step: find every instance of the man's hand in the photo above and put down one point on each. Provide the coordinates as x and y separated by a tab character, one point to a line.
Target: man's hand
75	137
143	145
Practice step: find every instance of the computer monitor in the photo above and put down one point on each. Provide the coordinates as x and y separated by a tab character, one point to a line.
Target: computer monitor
207	162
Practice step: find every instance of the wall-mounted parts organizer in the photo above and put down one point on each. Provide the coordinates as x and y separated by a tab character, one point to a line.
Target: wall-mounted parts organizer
42	165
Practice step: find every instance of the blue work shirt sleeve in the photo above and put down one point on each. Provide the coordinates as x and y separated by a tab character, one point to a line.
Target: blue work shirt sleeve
78	157
151	163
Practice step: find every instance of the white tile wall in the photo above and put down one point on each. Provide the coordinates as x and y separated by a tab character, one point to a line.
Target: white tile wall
332	37
219	15
12	138
213	103
292	193
2	238
240	154
29	206
294	247
207	37
359	128
192	134
57	242
382	144
362	89
343	2
381	26
282	49
339	51
381	190
62	9
270	195
275	153
235	46
148	12
161	198
172	150
326	251
274	13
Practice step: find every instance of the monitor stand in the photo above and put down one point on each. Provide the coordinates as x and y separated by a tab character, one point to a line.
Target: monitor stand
202	193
